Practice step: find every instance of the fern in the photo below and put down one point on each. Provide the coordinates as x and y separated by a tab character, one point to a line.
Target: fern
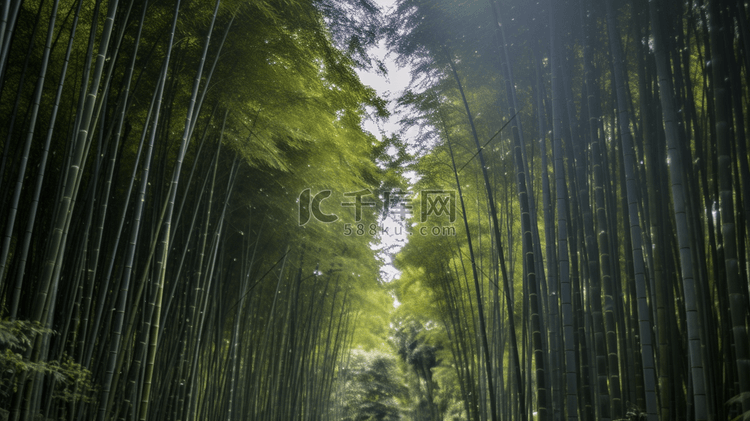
18	334
73	381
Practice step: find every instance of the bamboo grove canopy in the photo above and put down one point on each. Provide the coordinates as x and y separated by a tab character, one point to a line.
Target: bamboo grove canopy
183	235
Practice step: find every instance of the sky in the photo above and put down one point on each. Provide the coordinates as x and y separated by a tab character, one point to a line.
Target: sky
388	87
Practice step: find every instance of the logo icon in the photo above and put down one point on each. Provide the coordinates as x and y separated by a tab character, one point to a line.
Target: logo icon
307	206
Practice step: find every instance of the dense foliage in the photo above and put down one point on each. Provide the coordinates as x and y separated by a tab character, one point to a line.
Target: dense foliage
153	157
599	268
190	211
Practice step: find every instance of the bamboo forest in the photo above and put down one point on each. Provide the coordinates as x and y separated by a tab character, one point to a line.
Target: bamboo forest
360	210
